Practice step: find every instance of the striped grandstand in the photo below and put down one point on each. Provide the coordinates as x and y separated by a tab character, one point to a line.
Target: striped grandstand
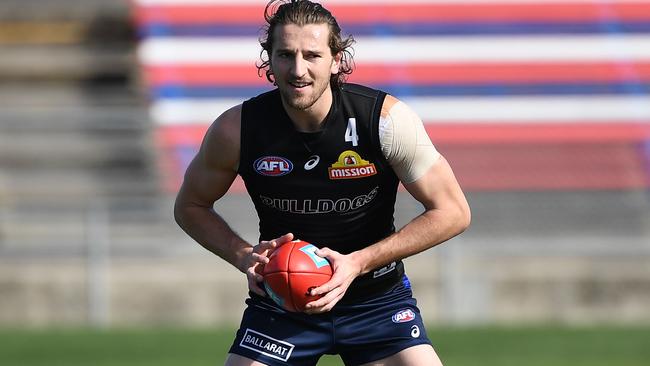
519	95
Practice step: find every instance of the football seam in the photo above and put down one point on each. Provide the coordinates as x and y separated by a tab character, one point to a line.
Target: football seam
293	302
316	273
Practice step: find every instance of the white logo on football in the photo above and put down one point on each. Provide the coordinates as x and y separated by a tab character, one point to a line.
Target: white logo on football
312	162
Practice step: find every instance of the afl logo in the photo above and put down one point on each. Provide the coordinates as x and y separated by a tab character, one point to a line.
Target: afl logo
273	166
403	316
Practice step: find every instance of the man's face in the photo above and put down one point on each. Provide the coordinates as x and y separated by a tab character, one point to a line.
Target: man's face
302	63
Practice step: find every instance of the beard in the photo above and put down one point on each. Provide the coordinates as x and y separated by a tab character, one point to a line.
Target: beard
306	101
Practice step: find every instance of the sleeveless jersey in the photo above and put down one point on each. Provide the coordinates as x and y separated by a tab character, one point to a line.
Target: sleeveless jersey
333	188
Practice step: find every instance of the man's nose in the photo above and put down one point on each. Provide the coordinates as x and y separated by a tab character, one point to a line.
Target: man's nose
299	67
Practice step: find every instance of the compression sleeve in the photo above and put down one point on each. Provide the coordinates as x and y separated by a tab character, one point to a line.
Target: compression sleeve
404	141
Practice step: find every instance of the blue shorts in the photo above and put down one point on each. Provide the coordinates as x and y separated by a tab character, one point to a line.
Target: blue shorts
359	332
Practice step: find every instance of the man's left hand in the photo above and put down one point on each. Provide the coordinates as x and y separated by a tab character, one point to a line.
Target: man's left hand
346	269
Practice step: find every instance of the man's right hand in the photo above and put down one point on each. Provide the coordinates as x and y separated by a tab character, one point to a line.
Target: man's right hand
257	258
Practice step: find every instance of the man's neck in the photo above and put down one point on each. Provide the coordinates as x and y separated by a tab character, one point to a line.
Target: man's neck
312	118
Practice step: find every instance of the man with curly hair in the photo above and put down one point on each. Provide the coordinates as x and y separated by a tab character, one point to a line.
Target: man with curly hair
321	160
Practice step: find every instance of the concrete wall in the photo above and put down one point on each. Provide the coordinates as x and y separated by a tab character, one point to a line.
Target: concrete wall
203	291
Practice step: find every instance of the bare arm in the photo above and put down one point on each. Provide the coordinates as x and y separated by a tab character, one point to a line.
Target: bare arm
428	178
446	215
207	179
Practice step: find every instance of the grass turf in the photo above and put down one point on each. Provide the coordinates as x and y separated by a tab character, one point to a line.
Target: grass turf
531	346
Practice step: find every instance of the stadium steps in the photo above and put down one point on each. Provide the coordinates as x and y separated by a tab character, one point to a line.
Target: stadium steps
75	140
64	63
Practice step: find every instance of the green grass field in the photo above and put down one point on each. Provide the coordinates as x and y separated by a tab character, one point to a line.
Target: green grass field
549	346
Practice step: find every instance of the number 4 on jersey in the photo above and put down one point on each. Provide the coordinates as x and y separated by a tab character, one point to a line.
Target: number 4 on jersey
351	132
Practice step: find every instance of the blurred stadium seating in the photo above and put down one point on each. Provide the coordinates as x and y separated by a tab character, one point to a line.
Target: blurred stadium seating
541	106
502	86
73	130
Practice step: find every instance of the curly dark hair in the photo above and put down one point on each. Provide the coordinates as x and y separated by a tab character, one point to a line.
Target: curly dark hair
301	12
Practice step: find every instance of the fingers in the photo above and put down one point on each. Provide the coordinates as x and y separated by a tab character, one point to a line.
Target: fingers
325	303
324	252
258	258
256	288
265	245
254	274
346	269
280	240
336	279
254	271
335	282
285	238
334	289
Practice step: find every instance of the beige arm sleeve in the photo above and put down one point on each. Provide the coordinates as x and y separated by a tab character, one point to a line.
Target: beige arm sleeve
404	141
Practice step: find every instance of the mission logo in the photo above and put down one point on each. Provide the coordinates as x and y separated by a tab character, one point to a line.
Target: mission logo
351	166
273	166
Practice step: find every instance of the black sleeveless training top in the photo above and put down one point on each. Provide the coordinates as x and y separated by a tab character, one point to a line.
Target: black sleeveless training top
332	188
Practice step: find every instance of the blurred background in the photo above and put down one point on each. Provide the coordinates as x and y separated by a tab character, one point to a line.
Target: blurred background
541	107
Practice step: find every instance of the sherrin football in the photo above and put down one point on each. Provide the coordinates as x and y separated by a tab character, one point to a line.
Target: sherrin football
293	270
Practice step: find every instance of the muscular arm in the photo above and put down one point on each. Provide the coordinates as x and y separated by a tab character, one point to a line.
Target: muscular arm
446	215
207	179
429	179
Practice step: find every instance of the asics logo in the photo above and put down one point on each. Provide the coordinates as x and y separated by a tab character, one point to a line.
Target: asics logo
312	162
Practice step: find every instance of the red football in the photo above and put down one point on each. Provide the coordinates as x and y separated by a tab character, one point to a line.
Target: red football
294	269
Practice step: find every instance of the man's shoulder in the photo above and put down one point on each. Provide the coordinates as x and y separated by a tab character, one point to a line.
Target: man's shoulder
270	96
361	90
387	100
226	125
258	109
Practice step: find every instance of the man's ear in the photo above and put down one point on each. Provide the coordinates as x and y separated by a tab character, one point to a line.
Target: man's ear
336	63
269	72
